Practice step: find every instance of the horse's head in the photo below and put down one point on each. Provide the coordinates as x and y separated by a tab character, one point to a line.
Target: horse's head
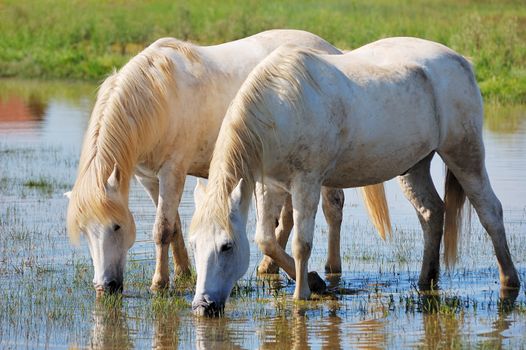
109	229
221	257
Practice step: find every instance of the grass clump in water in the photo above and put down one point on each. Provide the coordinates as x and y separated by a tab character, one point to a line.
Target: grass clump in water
40	184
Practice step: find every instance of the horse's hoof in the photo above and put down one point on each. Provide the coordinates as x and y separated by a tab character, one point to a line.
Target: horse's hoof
428	285
316	283
159	286
333	268
508	295
510	282
182	273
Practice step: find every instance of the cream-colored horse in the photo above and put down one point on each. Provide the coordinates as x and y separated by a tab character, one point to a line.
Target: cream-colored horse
158	118
302	120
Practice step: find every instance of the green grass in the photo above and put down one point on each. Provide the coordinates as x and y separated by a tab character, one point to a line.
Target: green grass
41	185
87	39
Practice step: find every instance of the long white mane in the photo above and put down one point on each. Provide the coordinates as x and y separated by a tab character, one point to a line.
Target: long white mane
129	112
246	132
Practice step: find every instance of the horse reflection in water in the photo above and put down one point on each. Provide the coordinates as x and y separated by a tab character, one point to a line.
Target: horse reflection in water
442	330
110	327
211	334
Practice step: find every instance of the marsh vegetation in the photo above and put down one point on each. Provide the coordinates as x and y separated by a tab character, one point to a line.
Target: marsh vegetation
87	39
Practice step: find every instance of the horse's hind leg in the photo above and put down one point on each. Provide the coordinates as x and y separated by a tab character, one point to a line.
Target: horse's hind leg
332	205
418	188
465	160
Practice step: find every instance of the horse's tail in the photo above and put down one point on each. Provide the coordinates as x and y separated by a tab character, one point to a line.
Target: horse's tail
376	204
454	198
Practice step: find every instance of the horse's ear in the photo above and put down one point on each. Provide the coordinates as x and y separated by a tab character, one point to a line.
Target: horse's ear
67	194
115	178
236	196
199	192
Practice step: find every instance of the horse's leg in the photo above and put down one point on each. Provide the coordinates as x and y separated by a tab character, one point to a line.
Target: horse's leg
269	204
332	205
419	189
465	160
282	232
305	199
167	228
180	255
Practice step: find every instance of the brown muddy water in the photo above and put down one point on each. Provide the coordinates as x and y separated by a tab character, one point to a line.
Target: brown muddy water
47	301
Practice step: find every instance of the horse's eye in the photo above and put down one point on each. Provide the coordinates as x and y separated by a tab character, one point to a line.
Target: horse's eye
226	247
116	228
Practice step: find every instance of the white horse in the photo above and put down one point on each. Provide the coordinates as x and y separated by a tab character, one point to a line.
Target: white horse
302	120
158	118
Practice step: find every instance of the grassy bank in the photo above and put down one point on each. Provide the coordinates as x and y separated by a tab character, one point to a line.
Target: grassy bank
86	39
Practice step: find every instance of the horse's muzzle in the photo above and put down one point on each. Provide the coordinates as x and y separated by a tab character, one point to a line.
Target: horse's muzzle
111	287
208	308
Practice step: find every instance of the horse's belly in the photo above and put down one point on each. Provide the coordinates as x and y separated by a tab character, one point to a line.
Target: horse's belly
361	169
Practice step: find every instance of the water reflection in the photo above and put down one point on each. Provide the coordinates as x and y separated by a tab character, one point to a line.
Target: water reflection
165	331
109	325
441	331
368	334
213	334
16	109
287	329
48	112
331	335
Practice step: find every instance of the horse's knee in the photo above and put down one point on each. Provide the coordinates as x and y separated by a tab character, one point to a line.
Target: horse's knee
332	204
163	232
301	249
266	245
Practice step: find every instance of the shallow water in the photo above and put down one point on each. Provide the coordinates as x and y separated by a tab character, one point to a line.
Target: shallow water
47	301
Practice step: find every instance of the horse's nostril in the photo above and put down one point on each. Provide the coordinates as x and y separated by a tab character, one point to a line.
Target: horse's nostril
214	310
113	286
205	307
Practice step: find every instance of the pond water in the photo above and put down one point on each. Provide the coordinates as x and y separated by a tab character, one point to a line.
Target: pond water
47	301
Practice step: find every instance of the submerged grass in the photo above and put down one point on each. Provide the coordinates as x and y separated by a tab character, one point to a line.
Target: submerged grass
86	39
41	184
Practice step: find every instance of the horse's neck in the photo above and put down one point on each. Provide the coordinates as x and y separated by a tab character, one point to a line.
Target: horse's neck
236	59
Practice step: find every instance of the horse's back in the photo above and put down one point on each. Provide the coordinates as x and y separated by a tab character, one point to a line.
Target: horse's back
322	112
443	65
350	117
457	95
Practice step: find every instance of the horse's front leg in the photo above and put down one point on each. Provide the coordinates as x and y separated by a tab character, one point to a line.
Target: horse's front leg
282	232
167	227
332	204
270	201
305	198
